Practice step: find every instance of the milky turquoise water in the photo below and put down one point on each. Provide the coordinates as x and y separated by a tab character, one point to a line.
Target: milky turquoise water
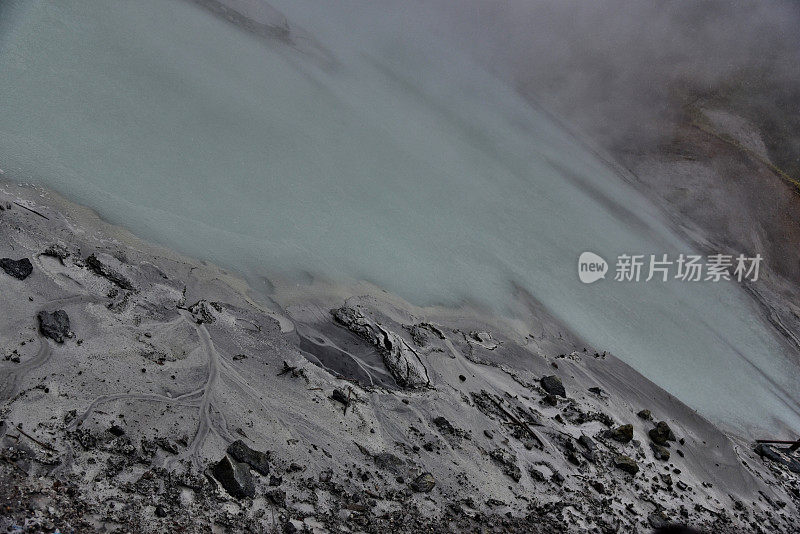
391	157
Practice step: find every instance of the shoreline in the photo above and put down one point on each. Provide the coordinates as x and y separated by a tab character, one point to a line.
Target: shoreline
442	417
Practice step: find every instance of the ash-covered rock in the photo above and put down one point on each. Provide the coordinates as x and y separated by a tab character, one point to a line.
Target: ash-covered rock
54	325
19	269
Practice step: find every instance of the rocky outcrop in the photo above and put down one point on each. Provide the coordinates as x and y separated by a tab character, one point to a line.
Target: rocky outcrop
403	362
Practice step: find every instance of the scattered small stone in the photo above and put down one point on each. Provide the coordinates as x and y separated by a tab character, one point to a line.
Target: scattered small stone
19	269
553	385
462	378
488	434
54	325
646	415
160	512
117	430
596	390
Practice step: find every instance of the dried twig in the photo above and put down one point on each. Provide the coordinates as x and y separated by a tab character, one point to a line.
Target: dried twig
45	445
517	421
21	470
31	210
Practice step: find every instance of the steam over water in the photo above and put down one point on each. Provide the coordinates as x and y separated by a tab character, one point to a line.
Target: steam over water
368	150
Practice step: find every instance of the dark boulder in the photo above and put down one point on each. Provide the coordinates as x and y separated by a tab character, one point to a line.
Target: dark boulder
646	415
661	433
54	325
553	386
627	464
258	460
659	452
424	483
19	269
623	433
235	477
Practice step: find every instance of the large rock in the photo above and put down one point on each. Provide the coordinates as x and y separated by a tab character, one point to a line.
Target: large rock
19	269
424	483
627	464
661	433
623	433
54	325
235	477
258	460
400	359
553	386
